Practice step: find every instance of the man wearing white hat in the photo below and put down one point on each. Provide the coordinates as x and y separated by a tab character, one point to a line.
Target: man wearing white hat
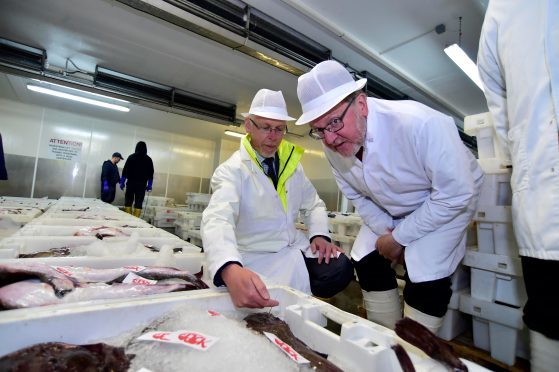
248	227
410	178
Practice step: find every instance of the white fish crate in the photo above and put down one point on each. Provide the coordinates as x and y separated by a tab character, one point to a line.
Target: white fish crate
197	198
361	346
27	202
48	230
344	242
345	224
131	222
493	213
496	190
496	238
481	126
454	321
193	219
21	215
496	278
164	222
12	247
195	238
497	328
160	201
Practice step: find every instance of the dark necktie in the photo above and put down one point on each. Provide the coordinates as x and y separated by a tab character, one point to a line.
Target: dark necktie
271	172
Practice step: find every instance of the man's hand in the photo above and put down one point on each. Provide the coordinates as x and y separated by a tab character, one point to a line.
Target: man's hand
325	249
389	248
246	288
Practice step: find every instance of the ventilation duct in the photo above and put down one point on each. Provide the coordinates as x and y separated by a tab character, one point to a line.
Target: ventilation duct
133	86
12	53
241	23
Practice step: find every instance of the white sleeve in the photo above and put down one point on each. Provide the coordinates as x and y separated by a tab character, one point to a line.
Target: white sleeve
218	220
447	164
313	209
491	75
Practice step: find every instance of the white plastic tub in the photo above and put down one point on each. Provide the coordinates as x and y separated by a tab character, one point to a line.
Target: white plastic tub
362	345
42	230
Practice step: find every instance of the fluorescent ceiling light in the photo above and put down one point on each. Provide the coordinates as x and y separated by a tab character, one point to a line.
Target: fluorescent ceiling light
234	134
73	97
464	62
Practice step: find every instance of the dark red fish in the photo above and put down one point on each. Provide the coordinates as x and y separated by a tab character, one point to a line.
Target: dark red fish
61	357
417	335
264	322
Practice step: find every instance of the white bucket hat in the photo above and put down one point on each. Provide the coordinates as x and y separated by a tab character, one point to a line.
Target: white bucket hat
323	87
268	104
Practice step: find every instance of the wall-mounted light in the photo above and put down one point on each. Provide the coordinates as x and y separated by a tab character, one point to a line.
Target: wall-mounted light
74	95
464	62
234	134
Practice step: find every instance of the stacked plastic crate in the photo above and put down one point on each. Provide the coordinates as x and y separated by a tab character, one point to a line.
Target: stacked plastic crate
497	287
344	228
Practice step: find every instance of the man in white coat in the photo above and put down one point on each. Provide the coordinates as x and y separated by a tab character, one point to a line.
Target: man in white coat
248	227
412	181
518	63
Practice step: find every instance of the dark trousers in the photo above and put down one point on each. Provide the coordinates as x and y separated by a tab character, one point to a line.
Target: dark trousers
375	274
108	196
134	194
328	279
540	311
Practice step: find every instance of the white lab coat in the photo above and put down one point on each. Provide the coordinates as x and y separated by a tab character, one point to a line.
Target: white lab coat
416	177
518	62
245	221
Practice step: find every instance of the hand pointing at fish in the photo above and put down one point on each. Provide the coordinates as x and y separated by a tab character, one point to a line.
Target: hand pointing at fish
246	288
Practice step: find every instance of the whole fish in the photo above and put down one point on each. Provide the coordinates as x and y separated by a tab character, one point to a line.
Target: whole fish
160	273
100	232
46	274
61	357
265	322
419	336
52	252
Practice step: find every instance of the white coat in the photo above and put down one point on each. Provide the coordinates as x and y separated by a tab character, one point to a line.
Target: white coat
245	221
518	62
417	178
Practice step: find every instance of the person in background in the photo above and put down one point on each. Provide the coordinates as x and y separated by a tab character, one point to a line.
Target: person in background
110	177
138	170
412	181
518	62
248	228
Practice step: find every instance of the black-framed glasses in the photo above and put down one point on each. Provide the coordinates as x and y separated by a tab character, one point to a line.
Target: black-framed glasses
269	130
333	125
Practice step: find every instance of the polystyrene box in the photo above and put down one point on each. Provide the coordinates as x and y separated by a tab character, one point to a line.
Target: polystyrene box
454	324
496	287
492	213
48	230
131	222
497	238
491	262
361	345
495	190
496	327
481	126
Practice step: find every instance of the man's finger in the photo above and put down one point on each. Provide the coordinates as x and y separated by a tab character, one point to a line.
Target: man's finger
260	288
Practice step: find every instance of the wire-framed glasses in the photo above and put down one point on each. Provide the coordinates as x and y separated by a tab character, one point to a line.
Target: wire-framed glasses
333	125
270	130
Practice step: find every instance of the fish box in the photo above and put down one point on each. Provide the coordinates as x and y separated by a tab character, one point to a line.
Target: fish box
131	222
361	345
496	328
12	247
497	238
43	230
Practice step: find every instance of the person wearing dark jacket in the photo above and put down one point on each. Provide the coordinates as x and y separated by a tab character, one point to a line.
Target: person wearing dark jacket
110	177
138	170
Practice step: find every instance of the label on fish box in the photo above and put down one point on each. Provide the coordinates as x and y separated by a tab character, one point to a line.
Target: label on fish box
195	340
291	353
213	313
132	278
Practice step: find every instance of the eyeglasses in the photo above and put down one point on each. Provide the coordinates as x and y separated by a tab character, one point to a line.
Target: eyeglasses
333	125
269	130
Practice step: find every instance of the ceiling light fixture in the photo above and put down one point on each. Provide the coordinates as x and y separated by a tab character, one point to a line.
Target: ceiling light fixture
234	134
74	97
464	62
458	56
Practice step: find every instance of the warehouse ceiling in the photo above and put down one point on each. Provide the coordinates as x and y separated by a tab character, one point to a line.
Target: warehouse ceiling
394	41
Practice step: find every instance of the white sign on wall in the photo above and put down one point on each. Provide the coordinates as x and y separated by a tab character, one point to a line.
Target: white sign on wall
63	149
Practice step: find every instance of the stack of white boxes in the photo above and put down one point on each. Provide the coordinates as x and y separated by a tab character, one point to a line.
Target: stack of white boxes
497	287
344	228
